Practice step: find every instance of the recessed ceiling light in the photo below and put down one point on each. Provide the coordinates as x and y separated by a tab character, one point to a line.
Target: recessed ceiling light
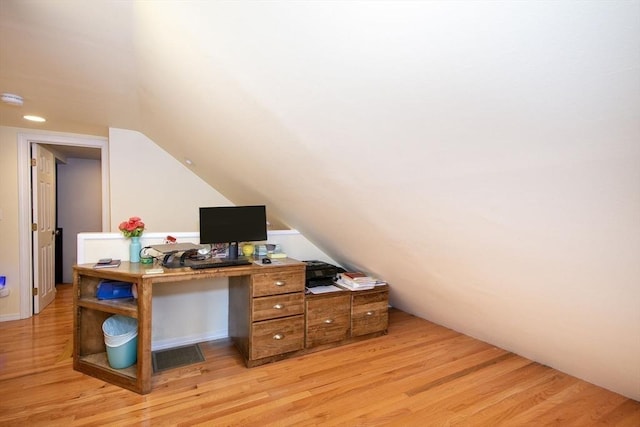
188	161
12	99
35	118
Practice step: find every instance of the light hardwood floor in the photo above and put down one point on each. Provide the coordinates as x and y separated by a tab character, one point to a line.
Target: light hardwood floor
419	374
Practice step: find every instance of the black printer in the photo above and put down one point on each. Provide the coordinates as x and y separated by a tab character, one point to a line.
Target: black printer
321	273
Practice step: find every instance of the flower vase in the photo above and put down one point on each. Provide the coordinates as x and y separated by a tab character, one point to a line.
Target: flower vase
134	249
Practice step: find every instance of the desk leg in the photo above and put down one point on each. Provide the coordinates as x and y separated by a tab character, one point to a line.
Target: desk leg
144	335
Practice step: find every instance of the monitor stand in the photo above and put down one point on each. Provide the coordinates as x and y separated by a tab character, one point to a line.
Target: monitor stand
175	259
233	250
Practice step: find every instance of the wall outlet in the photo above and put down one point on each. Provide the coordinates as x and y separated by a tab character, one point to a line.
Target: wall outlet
4	291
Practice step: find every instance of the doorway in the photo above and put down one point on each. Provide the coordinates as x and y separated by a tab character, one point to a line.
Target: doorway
78	204
61	143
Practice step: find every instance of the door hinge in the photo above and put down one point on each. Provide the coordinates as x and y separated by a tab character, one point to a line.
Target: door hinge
33	162
35	292
34	227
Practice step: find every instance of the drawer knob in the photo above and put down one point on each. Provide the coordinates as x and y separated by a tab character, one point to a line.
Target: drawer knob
328	321
278	306
369	313
279	283
278	336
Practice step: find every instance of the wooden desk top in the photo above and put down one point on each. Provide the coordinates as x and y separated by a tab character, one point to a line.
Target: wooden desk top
131	271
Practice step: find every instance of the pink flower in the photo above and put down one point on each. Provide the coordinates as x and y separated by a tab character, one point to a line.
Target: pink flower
132	228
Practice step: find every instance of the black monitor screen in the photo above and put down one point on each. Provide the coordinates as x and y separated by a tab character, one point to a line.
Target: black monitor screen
231	224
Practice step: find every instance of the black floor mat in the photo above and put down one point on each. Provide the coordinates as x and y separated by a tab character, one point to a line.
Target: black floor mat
175	357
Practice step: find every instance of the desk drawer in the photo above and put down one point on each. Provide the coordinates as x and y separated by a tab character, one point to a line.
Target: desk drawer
369	312
327	320
276	306
275	283
273	337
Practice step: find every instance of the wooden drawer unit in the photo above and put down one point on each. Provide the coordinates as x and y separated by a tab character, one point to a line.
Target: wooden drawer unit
327	319
276	306
369	311
275	337
278	282
273	325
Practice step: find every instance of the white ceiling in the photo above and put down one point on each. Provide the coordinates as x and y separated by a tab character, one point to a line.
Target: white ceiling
460	150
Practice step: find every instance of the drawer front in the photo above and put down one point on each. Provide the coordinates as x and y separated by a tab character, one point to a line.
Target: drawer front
265	308
328	320
369	313
275	283
273	337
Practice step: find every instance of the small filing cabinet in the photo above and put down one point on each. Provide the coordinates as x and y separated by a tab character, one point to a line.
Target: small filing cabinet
369	311
328	318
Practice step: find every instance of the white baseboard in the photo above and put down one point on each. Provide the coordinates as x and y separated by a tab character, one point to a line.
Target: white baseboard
8	317
187	340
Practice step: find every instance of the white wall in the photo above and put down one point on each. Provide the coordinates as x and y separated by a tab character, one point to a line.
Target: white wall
147	182
483	157
192	311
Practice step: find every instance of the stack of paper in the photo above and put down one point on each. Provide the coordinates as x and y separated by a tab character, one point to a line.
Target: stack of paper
357	281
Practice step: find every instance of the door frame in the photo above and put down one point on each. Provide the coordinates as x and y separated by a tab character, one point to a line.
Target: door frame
25	206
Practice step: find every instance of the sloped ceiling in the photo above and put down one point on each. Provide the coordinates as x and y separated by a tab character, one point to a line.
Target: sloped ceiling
481	156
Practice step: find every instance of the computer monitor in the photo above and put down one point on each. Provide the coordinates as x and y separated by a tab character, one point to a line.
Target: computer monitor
233	224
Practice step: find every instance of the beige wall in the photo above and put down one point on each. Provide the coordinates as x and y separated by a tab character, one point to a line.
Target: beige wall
9	306
12	216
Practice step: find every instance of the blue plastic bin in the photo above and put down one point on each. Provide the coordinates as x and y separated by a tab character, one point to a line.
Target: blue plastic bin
121	340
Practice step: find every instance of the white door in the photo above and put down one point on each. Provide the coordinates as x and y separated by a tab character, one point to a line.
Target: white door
44	210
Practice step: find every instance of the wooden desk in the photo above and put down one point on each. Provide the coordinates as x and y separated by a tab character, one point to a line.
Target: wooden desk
270	317
89	355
